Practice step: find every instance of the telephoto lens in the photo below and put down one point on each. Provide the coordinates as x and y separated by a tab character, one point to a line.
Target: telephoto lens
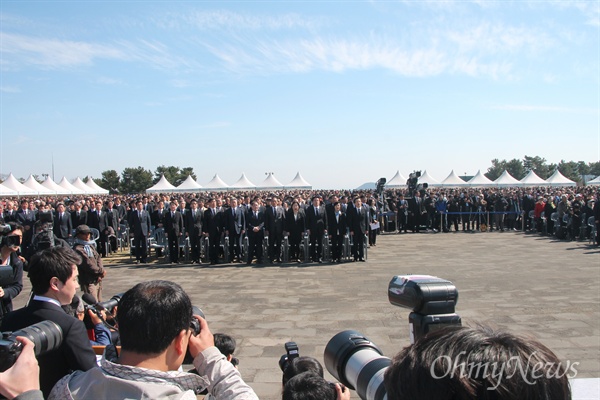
45	335
358	363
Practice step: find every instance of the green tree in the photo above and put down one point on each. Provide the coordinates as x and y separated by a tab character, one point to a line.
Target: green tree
516	169
135	180
569	170
187	171
171	174
594	168
110	181
496	169
538	165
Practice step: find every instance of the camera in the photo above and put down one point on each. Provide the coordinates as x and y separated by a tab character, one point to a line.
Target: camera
291	352
195	327
359	364
45	335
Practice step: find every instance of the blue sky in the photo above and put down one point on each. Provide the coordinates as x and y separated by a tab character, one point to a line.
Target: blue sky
343	91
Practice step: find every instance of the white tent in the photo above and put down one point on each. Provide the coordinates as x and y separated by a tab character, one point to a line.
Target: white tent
216	183
162	185
507	179
50	184
78	183
68	186
558	179
242	183
397	181
189	185
480	180
595	181
298	183
270	183
428	179
12	183
531	179
4	191
37	187
453	180
94	186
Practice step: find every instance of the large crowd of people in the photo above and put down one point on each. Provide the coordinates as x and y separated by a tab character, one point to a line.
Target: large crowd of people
52	239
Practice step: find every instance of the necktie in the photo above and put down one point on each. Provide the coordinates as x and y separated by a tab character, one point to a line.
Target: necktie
256	214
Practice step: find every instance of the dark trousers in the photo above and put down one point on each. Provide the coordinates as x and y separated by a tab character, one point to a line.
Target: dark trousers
358	247
255	240
141	247
275	246
234	245
315	245
214	243
337	242
173	241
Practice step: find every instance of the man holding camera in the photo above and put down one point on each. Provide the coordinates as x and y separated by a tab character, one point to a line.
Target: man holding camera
53	275
156	328
90	269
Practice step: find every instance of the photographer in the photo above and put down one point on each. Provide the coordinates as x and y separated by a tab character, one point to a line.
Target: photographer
12	264
155	326
53	275
21	381
310	386
476	363
91	271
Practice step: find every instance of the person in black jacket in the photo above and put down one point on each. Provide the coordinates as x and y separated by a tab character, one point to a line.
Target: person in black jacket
255	225
53	275
10	259
294	228
173	230
337	229
316	226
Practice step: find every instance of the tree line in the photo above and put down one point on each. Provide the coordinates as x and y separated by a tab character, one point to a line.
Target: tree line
573	170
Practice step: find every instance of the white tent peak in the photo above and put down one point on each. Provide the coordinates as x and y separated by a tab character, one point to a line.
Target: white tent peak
397	180
163	185
189	185
558	179
480	180
13	183
68	186
428	179
243	183
453	180
532	179
216	183
506	179
78	183
298	183
271	182
94	186
37	187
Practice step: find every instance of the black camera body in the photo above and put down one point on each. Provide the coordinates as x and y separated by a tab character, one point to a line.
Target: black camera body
291	352
45	335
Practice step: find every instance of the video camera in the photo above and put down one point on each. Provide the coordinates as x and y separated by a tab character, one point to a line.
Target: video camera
8	240
359	364
45	335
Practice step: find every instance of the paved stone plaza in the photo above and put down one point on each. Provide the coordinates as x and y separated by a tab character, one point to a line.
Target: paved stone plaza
527	284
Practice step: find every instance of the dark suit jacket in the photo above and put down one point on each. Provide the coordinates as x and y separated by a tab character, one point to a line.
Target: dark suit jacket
252	221
274	220
212	224
173	225
158	217
193	223
139	226
358	222
112	217
79	220
234	224
337	226
25	219
62	228
316	223
294	226
75	352
93	220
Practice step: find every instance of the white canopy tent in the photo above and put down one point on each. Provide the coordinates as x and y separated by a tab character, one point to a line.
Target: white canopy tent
94	186
453	180
37	187
270	182
558	179
298	183
50	184
531	179
68	186
4	191
189	185
13	183
162	185
242	183
506	180
428	179
595	181
480	180
397	181
79	184
216	183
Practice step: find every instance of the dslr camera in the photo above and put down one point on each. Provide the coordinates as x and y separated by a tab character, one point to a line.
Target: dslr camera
45	335
359	364
291	352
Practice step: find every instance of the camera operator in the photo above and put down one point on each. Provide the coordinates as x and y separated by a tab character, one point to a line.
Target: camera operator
53	275
21	381
310	386
14	284
476	363
91	271
155	326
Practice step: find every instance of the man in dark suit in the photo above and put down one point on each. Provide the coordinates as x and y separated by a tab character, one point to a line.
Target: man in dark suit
53	274
173	230
234	228
255	224
26	217
78	216
316	226
337	229
112	217
139	222
211	228
62	223
358	221
193	229
274	218
416	210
